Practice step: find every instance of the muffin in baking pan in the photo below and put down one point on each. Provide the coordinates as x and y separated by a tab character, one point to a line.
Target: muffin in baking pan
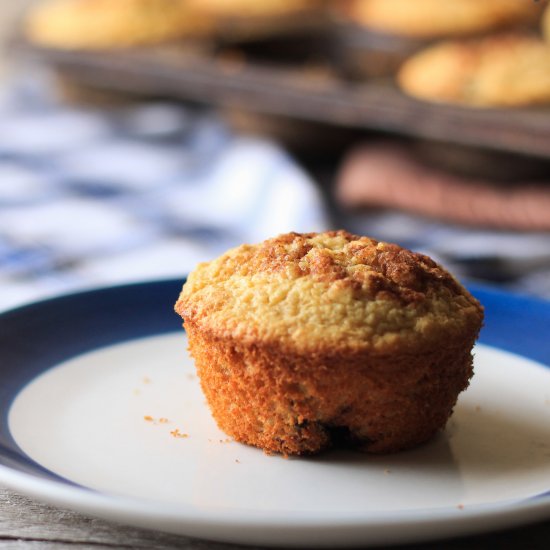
307	339
503	70
108	24
372	38
430	19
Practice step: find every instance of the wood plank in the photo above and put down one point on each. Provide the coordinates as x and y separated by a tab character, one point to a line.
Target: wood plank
44	527
25	523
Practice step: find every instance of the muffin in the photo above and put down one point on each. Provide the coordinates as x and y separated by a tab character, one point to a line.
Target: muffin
433	18
98	24
503	70
305	340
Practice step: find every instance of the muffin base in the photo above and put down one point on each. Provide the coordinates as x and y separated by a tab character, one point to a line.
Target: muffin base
297	404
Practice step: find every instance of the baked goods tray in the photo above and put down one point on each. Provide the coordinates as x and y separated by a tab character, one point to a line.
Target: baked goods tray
297	91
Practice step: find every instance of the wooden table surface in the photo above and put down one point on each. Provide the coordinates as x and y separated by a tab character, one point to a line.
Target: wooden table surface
28	524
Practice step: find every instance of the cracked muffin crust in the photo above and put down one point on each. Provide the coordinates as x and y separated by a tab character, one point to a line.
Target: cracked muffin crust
305	338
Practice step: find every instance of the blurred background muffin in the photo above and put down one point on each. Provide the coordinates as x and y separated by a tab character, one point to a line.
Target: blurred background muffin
376	36
91	24
502	70
433	19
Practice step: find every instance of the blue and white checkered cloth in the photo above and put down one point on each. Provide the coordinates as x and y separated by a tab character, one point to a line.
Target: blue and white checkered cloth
98	197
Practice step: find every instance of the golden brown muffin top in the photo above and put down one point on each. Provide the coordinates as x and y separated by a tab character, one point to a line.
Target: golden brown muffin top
328	291
501	70
436	18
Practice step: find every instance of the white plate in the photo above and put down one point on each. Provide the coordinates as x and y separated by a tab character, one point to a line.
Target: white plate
122	432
